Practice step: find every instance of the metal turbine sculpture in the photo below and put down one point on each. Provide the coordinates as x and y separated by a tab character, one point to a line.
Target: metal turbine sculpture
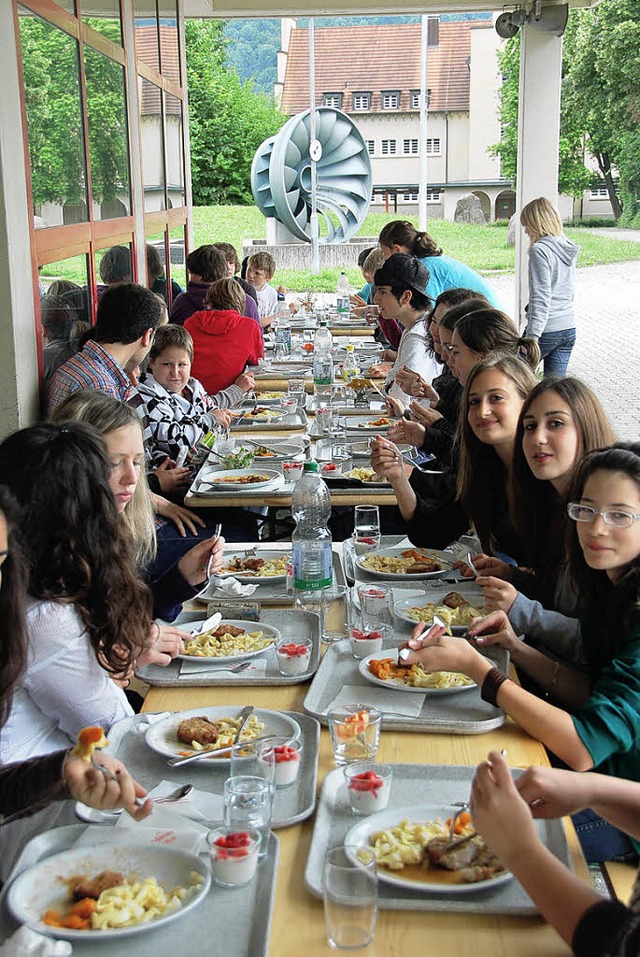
281	175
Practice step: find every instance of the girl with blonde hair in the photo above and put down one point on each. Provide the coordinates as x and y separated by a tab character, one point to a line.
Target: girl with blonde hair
552	271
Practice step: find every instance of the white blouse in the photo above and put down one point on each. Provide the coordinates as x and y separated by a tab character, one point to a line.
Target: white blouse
63	690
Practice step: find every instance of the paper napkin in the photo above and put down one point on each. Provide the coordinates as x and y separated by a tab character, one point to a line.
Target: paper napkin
394	701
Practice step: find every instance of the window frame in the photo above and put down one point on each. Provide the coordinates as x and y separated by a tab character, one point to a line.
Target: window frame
389	147
366	95
395	94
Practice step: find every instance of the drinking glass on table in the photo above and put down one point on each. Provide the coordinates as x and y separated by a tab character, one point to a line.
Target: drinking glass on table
349	882
372	314
296	391
375	605
246	759
355	733
248	802
324	417
366	528
332	606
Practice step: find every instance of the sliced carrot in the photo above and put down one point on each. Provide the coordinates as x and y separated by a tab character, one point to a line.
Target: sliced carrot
84	908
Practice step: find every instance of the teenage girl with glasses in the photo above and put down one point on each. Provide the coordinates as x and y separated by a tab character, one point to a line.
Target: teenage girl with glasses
589	720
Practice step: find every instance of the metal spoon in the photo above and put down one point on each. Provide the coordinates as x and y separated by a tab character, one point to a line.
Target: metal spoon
404	653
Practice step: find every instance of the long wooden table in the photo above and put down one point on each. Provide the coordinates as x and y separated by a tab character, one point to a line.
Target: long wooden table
298	922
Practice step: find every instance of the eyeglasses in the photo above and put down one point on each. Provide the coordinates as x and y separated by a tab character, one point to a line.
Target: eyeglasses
610	516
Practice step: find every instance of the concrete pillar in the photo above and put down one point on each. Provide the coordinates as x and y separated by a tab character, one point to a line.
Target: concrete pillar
538	136
19	400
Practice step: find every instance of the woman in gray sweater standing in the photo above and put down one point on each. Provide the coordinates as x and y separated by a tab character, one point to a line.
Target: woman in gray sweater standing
552	270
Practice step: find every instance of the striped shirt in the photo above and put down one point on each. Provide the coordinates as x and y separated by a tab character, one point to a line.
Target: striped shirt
92	368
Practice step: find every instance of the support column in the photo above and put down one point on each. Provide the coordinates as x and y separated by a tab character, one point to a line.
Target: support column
19	399
538	137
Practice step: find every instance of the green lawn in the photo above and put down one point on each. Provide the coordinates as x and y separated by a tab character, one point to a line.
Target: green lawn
482	247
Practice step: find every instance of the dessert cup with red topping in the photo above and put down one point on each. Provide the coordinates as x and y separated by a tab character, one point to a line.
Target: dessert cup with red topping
234	855
368	786
293	657
367	641
285	754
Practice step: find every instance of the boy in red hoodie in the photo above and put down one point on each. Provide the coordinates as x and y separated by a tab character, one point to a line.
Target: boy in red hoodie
224	340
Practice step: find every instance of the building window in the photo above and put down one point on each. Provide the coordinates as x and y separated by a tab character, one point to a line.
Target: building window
433	146
389	147
361	101
433	195
410	197
333	99
391	100
371	147
410	147
599	192
415	99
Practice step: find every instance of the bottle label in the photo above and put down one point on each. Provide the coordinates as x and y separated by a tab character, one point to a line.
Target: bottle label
312	565
343	304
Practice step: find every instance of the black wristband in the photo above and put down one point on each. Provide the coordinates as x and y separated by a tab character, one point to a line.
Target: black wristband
492	683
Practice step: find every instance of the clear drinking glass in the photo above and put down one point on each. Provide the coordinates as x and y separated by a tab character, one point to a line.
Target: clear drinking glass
375	604
366	525
332	606
248	802
246	760
349	881
355	733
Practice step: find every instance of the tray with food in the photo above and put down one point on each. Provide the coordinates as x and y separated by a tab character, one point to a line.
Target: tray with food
262	668
354	477
291	804
51	856
375	406
402	563
457	607
414	872
270	420
255	568
402	709
273	451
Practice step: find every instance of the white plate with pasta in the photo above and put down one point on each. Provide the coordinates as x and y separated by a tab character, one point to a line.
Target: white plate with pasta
222	647
398	564
406	829
435	683
46	887
238	565
162	737
456	606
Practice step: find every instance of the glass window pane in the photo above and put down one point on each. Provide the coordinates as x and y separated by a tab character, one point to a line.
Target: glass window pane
146	30
108	135
175	151
66	279
54	121
113	265
169	47
152	146
68	5
177	239
108	21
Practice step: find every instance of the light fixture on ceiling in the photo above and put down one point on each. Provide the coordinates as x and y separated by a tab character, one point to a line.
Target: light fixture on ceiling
546	19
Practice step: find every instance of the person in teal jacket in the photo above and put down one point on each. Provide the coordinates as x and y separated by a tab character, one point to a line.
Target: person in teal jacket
401	236
588	720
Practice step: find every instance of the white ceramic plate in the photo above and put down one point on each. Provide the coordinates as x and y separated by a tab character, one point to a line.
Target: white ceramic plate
250	577
402	576
273	416
39	887
434	596
365	424
360	833
268	630
224	479
393	685
283	453
161	736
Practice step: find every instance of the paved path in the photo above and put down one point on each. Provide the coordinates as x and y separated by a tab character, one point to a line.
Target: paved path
607	352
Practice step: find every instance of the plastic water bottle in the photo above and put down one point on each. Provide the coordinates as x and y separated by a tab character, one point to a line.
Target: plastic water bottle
350	368
282	325
311	539
322	360
343	295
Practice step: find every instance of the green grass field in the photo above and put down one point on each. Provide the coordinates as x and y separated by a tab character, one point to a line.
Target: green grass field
482	247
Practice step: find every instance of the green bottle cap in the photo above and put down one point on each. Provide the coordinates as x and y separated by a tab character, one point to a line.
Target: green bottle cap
310	467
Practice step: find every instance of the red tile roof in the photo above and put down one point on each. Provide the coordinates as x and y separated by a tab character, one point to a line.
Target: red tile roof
380	58
147	52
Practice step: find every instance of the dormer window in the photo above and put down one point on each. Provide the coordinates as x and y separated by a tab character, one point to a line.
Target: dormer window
361	101
390	100
332	99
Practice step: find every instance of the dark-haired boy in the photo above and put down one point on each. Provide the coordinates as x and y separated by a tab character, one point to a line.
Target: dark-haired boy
128	315
206	264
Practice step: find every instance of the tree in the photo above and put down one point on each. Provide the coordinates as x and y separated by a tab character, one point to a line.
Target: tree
573	175
600	103
228	120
